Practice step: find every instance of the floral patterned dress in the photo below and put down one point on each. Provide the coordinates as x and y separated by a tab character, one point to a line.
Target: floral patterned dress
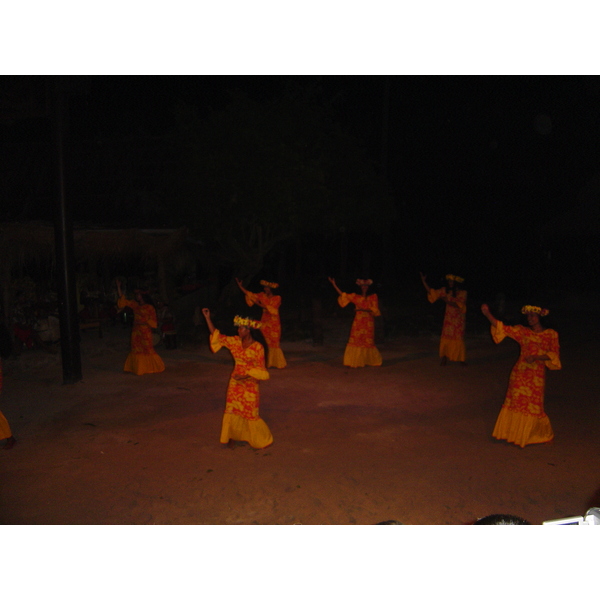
271	326
522	419
361	349
241	420
452	343
142	357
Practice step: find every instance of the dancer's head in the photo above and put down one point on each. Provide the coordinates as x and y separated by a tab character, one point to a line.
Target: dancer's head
364	284
454	281
245	326
534	314
268	286
143	297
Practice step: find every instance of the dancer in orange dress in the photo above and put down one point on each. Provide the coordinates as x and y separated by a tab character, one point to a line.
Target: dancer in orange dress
142	358
452	343
241	421
5	432
361	349
522	419
271	323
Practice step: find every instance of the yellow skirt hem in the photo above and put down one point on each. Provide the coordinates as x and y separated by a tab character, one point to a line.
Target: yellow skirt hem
5	431
522	430
361	357
453	350
256	433
276	358
140	364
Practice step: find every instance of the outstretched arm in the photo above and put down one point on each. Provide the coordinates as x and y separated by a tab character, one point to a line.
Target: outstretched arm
424	280
239	283
485	309
334	284
246	292
209	323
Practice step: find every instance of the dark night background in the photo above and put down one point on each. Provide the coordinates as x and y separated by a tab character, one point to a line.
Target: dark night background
495	178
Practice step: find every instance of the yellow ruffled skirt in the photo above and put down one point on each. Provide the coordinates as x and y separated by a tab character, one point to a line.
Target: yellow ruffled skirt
256	433
521	429
275	358
141	364
355	356
453	349
5	431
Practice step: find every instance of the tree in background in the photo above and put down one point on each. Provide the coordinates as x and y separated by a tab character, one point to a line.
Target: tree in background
256	175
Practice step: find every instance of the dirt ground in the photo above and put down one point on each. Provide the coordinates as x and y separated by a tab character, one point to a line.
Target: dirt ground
409	440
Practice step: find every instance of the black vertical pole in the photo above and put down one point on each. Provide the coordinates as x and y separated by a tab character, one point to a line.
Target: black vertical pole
385	125
65	252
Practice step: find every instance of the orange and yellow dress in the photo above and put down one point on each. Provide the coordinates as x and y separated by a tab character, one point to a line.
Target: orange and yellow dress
5	431
271	326
452	343
241	421
361	349
522	419
142	357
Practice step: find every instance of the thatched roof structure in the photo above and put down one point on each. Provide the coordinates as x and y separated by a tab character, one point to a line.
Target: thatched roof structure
25	242
33	242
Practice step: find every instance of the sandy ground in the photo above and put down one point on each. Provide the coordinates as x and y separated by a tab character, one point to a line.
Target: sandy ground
409	441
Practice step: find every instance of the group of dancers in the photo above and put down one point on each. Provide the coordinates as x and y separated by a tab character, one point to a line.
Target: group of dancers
522	419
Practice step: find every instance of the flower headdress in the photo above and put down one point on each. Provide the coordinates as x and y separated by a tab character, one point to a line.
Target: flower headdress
269	284
246	322
455	278
527	309
364	282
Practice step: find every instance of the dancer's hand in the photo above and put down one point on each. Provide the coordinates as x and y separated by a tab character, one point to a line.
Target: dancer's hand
485	309
334	284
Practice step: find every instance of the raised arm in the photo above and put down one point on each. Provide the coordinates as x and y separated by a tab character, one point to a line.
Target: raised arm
334	284
424	280
122	300
239	283
485	309
209	323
